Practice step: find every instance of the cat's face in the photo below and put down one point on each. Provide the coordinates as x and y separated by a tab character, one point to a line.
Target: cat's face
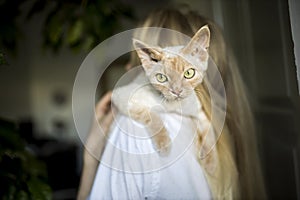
176	71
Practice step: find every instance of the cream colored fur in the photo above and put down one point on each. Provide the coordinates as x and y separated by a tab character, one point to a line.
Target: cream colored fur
146	97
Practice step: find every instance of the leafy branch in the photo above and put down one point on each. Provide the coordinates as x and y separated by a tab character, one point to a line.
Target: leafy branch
77	24
2	59
22	176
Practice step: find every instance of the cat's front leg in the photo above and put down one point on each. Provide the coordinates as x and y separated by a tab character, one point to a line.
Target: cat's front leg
161	141
155	127
207	141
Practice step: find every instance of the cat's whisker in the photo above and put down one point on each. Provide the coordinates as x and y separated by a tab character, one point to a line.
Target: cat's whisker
165	99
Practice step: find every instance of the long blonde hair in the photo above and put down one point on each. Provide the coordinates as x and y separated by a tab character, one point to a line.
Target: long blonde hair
238	174
239	119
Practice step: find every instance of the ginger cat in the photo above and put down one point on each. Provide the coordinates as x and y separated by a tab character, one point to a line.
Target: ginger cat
167	85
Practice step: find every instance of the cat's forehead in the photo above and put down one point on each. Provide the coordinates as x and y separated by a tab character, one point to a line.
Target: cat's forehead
172	51
172	55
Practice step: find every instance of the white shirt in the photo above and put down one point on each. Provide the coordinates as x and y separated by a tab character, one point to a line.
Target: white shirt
130	168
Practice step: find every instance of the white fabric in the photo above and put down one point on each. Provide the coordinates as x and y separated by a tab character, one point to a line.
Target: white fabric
131	169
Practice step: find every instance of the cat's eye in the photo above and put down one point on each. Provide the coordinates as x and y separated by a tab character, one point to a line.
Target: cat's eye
161	78
190	73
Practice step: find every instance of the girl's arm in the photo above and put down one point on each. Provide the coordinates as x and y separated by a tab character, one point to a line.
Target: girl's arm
94	146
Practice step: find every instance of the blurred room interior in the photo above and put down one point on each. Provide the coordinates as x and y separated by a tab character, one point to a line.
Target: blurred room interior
40	56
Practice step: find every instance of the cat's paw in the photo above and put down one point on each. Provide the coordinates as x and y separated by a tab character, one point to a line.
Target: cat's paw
164	151
163	143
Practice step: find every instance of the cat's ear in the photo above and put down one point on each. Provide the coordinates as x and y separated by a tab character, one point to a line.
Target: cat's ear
146	53
199	44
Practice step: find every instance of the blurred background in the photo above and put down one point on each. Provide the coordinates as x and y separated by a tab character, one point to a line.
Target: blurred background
43	43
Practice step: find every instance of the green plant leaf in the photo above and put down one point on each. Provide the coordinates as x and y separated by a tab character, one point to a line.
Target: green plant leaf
11	193
75	32
22	175
9	137
89	43
39	190
55	31
2	59
22	195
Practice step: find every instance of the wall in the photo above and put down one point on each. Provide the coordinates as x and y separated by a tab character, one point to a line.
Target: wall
33	75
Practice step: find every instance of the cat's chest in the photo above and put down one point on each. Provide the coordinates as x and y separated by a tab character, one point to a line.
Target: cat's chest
189	106
145	96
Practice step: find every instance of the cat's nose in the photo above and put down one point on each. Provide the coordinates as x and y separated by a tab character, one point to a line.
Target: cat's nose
177	92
